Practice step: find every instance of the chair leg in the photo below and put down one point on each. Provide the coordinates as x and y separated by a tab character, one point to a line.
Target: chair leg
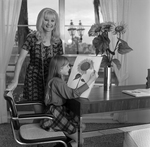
60	145
67	142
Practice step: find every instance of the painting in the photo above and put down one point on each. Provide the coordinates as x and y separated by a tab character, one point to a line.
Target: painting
83	66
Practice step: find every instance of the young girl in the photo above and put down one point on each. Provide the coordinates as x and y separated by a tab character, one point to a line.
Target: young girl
57	92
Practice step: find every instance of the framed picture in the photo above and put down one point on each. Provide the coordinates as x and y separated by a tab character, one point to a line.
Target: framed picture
83	66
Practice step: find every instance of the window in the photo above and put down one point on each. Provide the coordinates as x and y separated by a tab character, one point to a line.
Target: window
35	6
79	11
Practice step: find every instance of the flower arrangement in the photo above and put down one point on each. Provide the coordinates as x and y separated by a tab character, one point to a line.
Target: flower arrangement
101	42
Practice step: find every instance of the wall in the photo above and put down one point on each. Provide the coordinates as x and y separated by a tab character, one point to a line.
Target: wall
139	40
139	59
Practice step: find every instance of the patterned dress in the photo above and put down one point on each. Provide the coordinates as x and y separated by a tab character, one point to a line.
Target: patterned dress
37	70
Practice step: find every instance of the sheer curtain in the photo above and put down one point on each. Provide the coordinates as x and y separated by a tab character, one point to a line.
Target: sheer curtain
9	15
117	11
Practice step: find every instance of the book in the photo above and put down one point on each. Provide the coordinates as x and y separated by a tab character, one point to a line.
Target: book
138	92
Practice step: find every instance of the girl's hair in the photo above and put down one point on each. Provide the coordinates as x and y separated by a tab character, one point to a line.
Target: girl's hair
43	15
55	65
54	69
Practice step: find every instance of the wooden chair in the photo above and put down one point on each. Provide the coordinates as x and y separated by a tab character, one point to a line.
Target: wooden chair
31	133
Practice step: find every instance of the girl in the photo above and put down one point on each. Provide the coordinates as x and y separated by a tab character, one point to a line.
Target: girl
41	45
56	94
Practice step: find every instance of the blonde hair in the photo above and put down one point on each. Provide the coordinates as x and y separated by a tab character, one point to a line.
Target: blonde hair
41	16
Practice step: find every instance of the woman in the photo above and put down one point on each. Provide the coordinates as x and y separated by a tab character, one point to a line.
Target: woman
56	94
41	45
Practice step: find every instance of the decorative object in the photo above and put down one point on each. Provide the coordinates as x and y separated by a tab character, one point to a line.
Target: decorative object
148	79
101	43
107	78
82	68
72	31
80	30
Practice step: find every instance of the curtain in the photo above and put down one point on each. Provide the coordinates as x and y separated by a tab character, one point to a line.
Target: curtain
9	15
117	11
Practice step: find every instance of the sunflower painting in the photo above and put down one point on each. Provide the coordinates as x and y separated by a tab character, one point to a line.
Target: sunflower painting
81	71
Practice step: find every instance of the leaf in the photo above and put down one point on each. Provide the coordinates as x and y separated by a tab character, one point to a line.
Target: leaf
82	80
101	43
105	61
117	63
94	30
77	76
123	47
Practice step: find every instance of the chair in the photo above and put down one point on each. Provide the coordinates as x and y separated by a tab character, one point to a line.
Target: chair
31	133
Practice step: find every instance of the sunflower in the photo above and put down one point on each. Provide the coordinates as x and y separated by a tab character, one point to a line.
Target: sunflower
95	30
119	29
84	65
107	26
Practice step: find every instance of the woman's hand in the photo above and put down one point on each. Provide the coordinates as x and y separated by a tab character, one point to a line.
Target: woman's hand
12	85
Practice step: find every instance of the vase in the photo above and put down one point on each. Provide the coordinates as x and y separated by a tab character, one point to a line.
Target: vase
107	78
148	79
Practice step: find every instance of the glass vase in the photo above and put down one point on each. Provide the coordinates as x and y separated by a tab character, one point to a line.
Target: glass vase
107	78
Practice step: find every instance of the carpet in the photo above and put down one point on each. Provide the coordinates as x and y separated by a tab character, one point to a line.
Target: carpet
114	140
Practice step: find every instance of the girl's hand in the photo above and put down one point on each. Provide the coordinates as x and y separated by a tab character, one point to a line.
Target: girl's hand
93	77
12	85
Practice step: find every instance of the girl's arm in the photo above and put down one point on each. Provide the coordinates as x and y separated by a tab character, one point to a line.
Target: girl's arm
84	87
61	89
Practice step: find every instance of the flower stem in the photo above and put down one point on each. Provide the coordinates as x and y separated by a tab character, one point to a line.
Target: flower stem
115	49
116	45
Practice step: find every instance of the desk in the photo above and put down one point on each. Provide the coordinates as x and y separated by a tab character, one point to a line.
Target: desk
101	101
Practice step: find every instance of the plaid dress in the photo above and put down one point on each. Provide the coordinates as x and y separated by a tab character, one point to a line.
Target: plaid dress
64	120
37	70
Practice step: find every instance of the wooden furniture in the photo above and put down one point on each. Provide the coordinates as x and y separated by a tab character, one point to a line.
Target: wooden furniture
101	101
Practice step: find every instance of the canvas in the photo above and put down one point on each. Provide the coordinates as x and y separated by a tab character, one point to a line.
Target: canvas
83	66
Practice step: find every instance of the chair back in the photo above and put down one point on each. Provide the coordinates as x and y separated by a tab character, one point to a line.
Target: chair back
12	109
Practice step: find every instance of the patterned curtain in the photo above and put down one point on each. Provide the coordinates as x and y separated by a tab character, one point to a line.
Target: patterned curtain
9	15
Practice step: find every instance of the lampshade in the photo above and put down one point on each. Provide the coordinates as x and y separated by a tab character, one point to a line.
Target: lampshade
80	29
72	29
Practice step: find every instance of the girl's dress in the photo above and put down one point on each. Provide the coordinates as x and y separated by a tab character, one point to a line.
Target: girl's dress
64	119
37	70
